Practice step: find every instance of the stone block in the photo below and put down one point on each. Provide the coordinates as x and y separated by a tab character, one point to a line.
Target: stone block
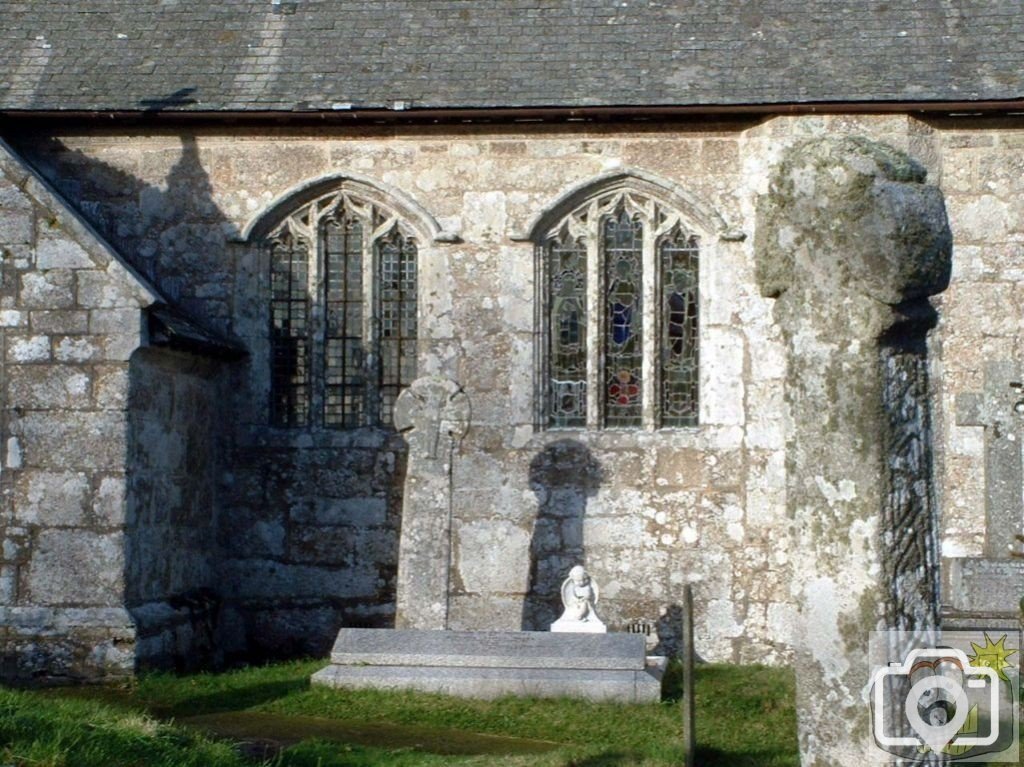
16	226
64	322
102	290
54	499
77	567
342	546
481	545
56	250
48	387
267	579
81	349
109	501
489	649
722	380
110	387
11	196
28	349
53	289
115	321
492	683
72	441
349	512
11	318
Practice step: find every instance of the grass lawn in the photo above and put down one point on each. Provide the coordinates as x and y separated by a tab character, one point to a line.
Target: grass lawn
270	716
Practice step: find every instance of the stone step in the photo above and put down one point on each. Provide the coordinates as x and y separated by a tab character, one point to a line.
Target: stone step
489	683
489	649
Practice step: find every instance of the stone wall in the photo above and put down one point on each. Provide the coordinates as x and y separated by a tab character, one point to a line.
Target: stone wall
308	520
70	317
175	431
309	534
701	504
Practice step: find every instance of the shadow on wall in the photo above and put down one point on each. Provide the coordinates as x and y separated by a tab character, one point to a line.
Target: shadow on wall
563	476
171	584
173	233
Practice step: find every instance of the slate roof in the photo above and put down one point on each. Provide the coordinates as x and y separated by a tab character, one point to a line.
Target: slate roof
264	55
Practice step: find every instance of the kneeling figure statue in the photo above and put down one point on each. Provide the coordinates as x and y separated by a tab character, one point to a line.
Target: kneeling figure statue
579	595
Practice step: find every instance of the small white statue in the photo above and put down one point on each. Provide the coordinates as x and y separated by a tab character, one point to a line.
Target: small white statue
579	595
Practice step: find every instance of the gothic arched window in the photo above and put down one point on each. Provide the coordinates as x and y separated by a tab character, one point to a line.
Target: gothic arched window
343	313
620	321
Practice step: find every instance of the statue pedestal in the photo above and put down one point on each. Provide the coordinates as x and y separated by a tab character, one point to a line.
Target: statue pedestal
568	626
491	664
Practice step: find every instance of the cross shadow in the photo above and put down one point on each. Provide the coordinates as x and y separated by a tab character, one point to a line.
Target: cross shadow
563	476
180	98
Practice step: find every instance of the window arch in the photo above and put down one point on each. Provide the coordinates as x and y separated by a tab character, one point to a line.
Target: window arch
620	302
342	313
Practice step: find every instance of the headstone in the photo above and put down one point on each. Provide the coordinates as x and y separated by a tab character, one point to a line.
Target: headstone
1000	409
851	242
986	590
579	600
433	414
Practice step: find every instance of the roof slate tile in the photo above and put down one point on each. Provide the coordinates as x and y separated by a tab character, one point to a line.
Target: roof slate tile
504	53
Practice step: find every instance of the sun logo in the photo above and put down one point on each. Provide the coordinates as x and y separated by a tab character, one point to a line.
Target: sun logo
993	655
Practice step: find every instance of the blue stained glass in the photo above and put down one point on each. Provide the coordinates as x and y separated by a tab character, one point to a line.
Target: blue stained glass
622	244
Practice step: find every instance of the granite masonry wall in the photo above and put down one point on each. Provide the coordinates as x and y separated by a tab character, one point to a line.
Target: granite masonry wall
307	520
70	318
175	434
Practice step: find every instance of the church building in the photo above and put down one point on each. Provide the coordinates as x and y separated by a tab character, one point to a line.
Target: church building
233	233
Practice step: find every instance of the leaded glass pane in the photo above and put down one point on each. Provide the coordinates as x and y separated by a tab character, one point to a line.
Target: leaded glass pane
396	265
622	244
344	371
289	325
567	321
679	339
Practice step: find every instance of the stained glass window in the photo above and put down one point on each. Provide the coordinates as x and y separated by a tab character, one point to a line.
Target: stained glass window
343	314
344	373
622	243
396	269
679	254
567	329
289	318
631	263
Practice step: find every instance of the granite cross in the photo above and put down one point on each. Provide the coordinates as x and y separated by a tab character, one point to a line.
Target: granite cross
433	414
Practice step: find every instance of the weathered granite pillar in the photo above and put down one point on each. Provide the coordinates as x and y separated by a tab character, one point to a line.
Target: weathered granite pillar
434	415
851	242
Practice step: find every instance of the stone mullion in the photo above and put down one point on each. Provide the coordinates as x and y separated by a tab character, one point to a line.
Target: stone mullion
371	327
649	336
595	321
542	339
317	329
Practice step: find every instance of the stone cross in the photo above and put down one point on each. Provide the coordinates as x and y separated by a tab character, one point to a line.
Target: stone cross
851	241
1000	409
431	408
433	414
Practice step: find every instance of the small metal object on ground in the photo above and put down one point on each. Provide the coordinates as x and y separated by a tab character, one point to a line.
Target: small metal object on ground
689	734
